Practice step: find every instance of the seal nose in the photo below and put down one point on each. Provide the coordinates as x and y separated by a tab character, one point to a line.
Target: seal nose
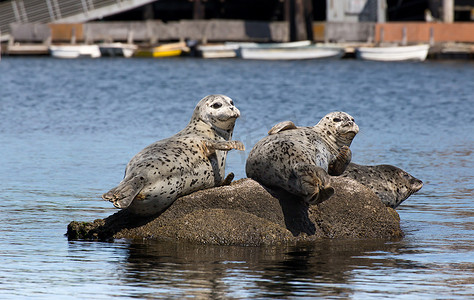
355	126
236	111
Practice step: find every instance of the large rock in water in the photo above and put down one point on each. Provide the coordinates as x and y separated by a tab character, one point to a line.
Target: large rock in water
246	213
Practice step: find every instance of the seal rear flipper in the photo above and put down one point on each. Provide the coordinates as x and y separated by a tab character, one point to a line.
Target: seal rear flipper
210	147
340	163
228	179
123	195
323	195
282	126
311	182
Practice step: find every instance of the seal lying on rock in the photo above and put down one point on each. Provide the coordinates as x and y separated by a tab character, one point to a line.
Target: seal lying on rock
391	184
191	160
299	159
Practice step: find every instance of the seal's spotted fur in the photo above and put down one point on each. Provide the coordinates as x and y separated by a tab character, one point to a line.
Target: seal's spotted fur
391	184
191	160
299	159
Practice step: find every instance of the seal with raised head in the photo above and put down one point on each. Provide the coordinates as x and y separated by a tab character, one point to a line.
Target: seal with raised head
299	159
191	160
391	184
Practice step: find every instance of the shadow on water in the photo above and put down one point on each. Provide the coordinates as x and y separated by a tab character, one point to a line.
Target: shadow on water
318	269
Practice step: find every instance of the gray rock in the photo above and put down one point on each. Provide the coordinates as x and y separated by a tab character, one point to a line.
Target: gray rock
247	213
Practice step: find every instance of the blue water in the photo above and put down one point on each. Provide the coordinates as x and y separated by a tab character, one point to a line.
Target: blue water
68	128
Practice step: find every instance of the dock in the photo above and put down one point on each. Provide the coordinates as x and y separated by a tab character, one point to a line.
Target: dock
29	27
447	41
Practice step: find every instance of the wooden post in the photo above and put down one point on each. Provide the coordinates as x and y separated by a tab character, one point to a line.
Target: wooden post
381	11
404	36
291	19
198	10
73	35
148	12
308	18
130	36
300	20
296	20
448	11
431	36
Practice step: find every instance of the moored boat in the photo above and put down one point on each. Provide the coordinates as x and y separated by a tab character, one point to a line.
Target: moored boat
292	53
217	50
247	45
117	49
165	50
393	53
27	49
74	51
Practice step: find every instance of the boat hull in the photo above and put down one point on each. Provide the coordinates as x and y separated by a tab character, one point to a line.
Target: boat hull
397	53
158	53
295	53
218	51
165	50
117	49
75	51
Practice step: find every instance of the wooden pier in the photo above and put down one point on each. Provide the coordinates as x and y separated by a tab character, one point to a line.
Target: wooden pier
447	40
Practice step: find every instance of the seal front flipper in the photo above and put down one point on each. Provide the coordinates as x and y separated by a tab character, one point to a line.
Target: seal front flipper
282	126
210	147
125	192
340	163
310	182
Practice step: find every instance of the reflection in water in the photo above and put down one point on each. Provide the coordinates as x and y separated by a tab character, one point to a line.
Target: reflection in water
321	269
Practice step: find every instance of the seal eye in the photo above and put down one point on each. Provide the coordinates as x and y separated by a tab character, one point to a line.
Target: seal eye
336	120
231	102
216	105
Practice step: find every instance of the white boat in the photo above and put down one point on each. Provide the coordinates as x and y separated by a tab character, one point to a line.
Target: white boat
27	49
233	49
74	51
269	45
393	53
117	49
218	50
292	53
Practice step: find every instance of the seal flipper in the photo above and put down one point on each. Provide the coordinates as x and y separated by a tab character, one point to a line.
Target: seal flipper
228	179
340	163
210	147
123	195
310	182
282	126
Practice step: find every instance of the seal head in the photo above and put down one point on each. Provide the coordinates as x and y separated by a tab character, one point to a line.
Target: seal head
218	111
338	129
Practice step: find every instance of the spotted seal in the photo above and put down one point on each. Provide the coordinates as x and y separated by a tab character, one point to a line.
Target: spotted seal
299	159
391	184
191	160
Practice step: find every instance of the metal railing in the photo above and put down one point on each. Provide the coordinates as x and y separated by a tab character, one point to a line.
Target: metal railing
58	11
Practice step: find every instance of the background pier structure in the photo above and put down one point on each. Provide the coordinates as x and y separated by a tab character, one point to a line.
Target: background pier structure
60	11
152	21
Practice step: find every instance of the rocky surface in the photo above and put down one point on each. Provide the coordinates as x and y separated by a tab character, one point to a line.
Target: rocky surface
246	213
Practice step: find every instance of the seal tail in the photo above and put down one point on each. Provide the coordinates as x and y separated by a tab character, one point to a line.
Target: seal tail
123	195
